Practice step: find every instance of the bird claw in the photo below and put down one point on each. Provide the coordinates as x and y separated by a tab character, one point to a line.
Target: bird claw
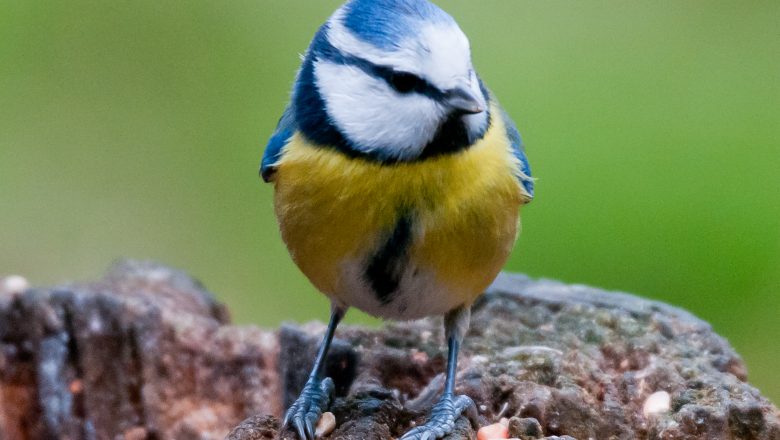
443	417
307	409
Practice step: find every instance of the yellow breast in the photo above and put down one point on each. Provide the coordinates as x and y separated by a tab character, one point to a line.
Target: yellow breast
334	209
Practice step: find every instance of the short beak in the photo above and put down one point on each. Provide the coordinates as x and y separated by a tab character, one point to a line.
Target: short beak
466	98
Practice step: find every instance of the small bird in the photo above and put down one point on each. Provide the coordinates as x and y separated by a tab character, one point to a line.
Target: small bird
398	181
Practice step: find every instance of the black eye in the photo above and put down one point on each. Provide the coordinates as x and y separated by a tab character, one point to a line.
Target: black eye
404	82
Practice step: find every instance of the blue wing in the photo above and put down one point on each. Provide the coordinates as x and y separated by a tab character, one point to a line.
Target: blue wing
273	151
524	177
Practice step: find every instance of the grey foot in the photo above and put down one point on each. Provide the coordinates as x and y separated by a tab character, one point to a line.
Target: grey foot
443	417
306	411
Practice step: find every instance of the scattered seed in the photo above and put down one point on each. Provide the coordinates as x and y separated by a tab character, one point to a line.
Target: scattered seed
494	431
657	403
13	285
419	357
326	425
76	387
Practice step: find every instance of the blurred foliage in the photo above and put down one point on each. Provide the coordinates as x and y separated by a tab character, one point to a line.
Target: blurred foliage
136	128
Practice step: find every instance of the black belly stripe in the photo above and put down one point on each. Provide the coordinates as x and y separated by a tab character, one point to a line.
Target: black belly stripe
386	266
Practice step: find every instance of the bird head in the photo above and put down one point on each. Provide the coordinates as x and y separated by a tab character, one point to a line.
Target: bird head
391	79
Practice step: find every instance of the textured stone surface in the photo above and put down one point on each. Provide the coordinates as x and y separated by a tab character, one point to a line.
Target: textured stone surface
147	353
563	361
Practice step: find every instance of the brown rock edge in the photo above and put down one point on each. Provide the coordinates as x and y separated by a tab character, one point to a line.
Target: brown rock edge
147	353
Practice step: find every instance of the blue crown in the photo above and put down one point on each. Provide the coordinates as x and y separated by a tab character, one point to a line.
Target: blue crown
384	23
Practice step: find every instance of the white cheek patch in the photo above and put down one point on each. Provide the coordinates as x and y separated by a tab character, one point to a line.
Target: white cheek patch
374	117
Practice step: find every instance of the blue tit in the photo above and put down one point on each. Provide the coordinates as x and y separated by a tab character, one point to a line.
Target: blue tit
398	181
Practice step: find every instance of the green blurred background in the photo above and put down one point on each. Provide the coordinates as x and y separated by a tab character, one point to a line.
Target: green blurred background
136	129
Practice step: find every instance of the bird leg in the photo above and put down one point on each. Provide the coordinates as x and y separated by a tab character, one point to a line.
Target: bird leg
450	406
316	394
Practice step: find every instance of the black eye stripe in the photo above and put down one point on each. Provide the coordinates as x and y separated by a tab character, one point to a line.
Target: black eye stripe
405	82
402	82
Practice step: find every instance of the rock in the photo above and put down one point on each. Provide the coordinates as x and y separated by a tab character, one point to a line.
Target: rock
258	427
525	429
148	353
144	353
